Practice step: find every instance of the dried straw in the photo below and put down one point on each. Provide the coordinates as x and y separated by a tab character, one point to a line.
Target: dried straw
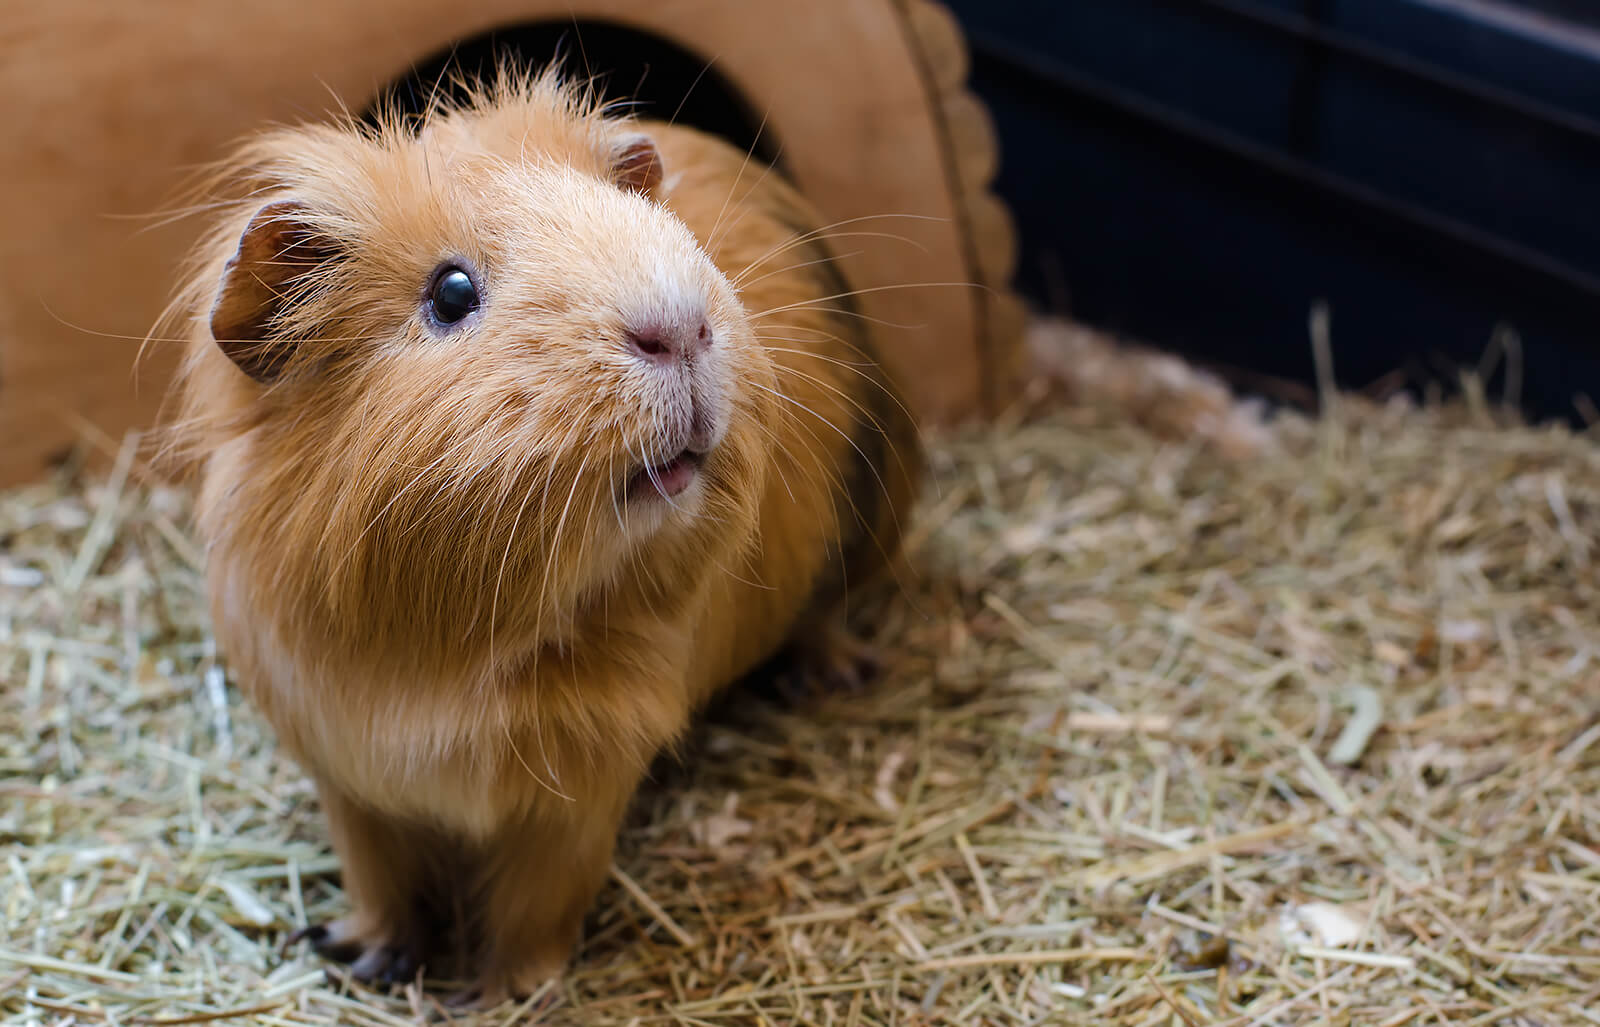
1167	738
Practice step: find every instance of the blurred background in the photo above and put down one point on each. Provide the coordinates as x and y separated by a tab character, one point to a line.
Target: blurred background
1196	173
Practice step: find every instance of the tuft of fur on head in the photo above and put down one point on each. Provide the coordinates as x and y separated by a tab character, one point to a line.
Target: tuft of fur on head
434	496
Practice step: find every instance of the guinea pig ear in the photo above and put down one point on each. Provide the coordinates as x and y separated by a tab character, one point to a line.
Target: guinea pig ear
278	248
636	163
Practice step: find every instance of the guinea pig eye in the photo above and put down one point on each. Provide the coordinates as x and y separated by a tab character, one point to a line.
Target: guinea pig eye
453	295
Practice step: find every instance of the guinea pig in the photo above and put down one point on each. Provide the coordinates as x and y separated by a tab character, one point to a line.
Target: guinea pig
519	430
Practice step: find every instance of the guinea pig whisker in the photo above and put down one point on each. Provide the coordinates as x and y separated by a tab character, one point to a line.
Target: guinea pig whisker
634	460
781	445
587	535
555	538
510	476
869	417
505	558
616	509
882	485
583	417
826	476
857	369
462	484
828	259
825	301
539	617
448	455
741	280
876	381
741	579
815	334
838	311
870	379
538	733
416	479
835	479
826	232
866	360
650	473
150	337
458	484
711	237
776	465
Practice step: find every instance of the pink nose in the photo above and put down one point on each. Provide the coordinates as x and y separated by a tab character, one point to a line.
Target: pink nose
662	343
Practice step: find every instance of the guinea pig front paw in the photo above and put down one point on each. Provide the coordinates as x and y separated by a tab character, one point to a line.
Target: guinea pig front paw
387	964
374	956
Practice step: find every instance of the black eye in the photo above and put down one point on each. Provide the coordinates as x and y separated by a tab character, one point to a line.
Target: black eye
453	296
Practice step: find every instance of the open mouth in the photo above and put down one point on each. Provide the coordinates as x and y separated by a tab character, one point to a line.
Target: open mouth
668	479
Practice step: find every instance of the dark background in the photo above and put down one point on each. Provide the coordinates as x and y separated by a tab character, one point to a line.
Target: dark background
1195	174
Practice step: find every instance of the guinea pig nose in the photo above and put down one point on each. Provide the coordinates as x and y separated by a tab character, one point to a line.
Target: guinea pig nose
661	343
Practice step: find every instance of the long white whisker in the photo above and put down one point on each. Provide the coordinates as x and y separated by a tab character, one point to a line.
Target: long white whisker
863	292
711	236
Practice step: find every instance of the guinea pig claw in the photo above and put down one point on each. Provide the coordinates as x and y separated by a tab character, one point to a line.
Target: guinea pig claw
371	961
384	964
316	934
326	943
403	970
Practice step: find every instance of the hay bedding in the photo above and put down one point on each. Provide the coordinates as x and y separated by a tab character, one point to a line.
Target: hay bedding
1312	737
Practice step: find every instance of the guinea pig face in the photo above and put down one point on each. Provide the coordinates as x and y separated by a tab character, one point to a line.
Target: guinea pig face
620	338
516	371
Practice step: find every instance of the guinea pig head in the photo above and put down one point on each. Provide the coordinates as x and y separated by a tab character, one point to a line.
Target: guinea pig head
469	385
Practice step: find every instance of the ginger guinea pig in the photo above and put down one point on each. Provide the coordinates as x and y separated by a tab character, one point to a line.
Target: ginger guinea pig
518	433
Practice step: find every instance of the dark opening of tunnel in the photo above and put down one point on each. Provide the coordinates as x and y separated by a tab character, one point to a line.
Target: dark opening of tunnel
661	79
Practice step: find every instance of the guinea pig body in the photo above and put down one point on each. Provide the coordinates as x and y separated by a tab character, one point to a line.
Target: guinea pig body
518	437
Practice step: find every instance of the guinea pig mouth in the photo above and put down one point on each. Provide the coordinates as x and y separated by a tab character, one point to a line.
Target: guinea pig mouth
667	479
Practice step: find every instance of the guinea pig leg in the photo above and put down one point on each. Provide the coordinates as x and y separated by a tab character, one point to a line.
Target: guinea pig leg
384	872
538	880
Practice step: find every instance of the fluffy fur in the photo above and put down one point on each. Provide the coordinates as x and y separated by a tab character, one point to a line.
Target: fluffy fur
426	567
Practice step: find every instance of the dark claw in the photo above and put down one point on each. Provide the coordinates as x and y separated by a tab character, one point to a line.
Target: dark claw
316	934
322	944
385	965
339	952
402	968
